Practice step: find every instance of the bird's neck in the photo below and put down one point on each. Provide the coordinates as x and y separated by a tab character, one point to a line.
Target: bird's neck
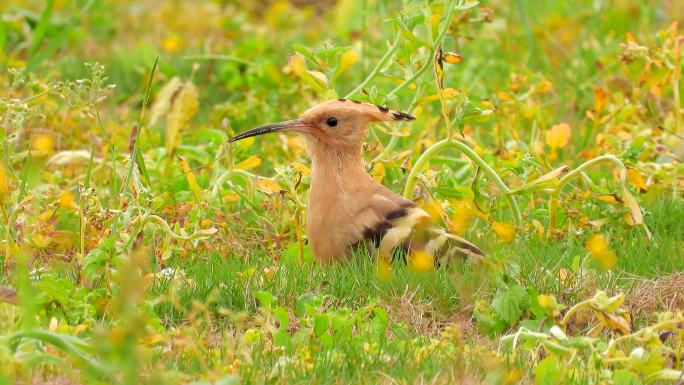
336	167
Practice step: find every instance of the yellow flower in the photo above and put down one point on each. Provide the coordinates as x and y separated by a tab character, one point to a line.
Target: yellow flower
4	184
558	135
173	43
505	231
462	218
66	200
421	261
43	144
598	248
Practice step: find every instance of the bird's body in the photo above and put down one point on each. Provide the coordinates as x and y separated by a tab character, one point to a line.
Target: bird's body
346	206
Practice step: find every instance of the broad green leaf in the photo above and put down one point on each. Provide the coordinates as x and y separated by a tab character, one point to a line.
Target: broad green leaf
626	377
509	304
548	371
265	298
320	324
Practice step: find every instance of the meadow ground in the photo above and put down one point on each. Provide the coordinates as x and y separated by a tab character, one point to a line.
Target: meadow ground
138	246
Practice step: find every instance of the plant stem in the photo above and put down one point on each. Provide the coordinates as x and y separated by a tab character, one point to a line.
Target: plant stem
133	160
410	80
218	58
381	64
675	85
432	151
167	229
661	325
553	203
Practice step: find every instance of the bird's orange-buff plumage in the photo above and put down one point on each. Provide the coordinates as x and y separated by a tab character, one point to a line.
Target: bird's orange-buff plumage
346	206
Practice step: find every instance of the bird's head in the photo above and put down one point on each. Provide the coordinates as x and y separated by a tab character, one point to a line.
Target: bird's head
336	124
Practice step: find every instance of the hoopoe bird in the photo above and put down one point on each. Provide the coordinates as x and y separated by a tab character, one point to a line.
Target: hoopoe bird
346	206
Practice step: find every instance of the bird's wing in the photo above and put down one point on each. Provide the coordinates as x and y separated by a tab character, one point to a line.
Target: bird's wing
389	222
376	216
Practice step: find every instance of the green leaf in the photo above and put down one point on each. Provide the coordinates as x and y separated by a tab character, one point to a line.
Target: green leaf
141	167
282	317
510	304
281	338
625	377
265	298
306	303
41	27
3	37
548	372
229	380
646	362
320	324
305	51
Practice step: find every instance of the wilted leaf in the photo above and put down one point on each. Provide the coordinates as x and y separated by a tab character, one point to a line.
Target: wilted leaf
378	171
635	215
438	64
249	163
447	93
546	178
539	227
610	198
8	295
636	179
616	322
452	58
192	182
301	168
71	157
269	185
184	105
162	102
600	100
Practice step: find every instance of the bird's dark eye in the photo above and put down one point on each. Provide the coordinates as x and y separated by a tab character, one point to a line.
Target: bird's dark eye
332	121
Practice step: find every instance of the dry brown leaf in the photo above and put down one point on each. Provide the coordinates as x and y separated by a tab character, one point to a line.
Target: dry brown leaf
184	105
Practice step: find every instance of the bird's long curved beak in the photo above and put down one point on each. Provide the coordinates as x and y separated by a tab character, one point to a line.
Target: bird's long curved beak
295	125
